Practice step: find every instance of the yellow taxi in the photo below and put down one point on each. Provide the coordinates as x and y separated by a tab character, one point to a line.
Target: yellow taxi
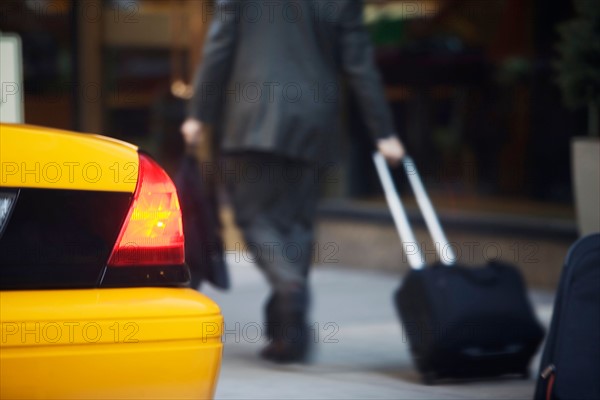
94	302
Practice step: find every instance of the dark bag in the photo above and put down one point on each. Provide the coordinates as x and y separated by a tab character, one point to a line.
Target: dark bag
204	250
570	365
460	322
468	322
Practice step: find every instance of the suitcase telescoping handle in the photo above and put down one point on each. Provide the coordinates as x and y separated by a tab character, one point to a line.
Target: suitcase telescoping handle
411	247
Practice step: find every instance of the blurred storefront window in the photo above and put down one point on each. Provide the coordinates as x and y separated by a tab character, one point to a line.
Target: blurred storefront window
46	29
467	80
470	83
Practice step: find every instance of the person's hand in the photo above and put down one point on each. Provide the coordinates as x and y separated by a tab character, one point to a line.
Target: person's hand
192	131
392	149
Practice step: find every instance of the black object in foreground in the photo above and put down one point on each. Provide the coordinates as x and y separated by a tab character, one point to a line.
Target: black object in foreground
570	366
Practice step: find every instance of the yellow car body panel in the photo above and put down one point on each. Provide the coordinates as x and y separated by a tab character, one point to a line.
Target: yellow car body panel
109	344
97	343
44	158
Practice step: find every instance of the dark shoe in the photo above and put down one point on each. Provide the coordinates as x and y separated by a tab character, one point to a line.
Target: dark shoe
283	352
272	320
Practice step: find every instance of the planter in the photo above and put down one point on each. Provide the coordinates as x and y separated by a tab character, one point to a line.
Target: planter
585	153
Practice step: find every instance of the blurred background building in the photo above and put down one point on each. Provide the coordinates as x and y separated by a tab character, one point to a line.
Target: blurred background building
471	83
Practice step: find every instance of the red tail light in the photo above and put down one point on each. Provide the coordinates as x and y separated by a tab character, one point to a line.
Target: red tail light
152	233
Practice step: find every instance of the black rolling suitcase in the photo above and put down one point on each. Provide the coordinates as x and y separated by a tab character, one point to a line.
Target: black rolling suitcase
570	365
460	322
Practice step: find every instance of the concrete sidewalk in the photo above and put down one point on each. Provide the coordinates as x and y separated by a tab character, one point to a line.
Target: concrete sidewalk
359	351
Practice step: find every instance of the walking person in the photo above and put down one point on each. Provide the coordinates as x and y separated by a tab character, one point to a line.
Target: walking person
269	80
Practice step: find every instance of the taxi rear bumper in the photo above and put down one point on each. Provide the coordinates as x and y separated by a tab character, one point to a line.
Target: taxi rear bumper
109	343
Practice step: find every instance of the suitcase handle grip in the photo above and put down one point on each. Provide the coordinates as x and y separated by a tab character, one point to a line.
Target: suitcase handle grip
410	245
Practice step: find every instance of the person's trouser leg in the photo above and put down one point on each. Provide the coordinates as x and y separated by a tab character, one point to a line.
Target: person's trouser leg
274	201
